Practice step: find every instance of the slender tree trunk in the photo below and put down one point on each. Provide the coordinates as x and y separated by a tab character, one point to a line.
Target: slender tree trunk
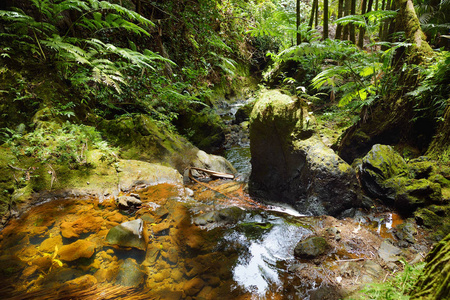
299	36
347	10
352	26
340	13
386	23
380	35
313	11
362	30
325	19
316	23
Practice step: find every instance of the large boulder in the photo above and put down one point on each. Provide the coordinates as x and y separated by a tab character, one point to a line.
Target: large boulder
291	164
407	186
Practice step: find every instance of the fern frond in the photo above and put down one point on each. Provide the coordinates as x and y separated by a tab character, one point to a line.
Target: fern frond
356	20
134	16
66	50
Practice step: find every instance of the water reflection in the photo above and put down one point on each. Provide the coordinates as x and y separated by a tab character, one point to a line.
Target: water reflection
257	270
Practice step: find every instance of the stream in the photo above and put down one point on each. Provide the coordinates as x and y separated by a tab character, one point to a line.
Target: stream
204	241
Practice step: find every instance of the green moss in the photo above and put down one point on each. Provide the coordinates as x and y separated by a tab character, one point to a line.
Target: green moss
433	282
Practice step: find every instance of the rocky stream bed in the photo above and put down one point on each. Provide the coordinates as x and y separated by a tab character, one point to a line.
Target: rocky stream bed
162	237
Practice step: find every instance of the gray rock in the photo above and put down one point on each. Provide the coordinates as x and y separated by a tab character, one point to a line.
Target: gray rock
213	162
127	201
311	247
129	234
388	252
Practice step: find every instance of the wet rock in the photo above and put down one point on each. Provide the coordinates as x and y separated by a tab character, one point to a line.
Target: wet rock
290	163
76	250
213	162
84	281
311	247
48	245
209	217
193	286
127	201
130	273
85	224
129	234
406	232
388	252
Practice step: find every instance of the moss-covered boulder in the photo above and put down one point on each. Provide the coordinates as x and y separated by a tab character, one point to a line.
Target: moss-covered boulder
291	164
433	283
407	186
204	128
380	164
142	138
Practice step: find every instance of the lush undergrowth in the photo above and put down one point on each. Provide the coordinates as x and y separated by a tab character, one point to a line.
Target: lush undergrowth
396	287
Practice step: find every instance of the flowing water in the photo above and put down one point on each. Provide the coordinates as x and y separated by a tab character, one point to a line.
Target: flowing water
207	247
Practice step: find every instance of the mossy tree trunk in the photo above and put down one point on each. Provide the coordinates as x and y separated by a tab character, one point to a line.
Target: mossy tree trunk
388	121
434	281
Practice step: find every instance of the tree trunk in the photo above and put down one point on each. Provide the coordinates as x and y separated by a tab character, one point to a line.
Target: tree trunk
362	30
380	35
347	10
352	26
389	120
313	11
316	23
340	13
409	22
325	19
299	37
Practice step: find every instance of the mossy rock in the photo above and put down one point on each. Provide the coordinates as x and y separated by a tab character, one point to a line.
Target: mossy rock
290	163
433	282
311	247
243	113
142	138
204	128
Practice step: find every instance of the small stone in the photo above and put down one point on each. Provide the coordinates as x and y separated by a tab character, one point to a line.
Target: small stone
127	201
311	247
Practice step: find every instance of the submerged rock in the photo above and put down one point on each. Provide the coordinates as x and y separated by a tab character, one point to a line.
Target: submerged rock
85	224
76	250
311	247
130	273
291	164
129	234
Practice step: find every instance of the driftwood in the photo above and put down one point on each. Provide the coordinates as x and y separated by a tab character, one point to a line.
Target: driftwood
211	173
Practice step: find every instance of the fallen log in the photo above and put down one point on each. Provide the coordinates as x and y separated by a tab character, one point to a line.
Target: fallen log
211	173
